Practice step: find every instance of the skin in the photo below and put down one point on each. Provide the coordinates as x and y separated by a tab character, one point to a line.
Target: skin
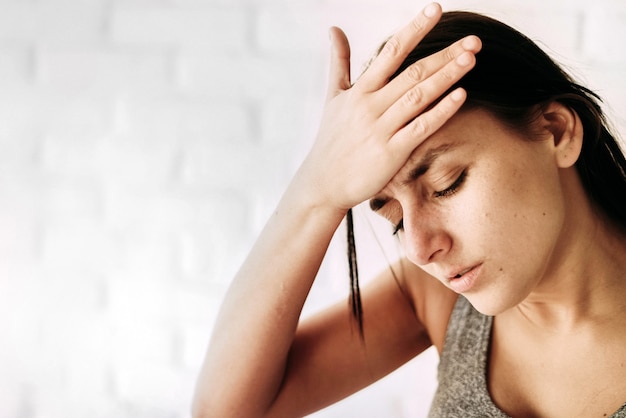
550	267
513	191
263	361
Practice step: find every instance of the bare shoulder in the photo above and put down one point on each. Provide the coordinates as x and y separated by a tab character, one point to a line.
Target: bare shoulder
431	300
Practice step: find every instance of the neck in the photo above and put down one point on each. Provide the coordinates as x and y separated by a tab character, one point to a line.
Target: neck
584	282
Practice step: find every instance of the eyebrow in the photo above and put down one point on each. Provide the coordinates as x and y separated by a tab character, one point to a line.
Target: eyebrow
419	169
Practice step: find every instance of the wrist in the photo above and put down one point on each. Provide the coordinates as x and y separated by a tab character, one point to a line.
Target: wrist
305	195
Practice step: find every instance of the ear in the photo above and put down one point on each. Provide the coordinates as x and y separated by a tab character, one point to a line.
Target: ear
566	131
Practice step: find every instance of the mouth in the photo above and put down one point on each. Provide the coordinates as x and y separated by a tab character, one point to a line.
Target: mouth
464	280
460	274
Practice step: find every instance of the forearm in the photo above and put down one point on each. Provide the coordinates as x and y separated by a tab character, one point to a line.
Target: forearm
367	133
246	359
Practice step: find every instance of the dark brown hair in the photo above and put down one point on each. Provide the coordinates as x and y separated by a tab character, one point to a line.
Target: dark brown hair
514	80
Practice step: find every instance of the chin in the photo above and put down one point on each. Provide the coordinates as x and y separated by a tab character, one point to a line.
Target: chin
490	305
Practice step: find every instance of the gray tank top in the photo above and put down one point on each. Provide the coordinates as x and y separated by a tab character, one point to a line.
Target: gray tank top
462	373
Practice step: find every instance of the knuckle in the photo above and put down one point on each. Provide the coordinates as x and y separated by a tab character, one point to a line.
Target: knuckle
392	47
414	73
450	54
419	127
448	76
413	97
417	25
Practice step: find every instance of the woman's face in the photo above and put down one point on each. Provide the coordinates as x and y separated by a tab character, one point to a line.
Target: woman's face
481	208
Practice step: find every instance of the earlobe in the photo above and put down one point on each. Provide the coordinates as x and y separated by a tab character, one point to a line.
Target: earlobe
566	130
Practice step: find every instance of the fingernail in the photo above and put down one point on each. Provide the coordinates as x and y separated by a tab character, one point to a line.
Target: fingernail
464	59
469	43
457	95
431	10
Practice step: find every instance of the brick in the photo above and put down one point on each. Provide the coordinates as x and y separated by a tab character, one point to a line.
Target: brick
16	63
153	138
20	320
56	113
195	341
153	390
19	150
247	76
136	209
98	70
79	243
279	30
71	157
165	211
52	22
127	163
234	167
192	27
73	292
19	137
197	305
136	338
214	255
12	404
170	119
288	122
213	249
149	252
20	223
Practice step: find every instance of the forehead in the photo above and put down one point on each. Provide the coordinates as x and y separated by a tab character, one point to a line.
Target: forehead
468	127
460	131
465	132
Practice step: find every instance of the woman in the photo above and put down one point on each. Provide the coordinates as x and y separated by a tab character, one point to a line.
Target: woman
505	188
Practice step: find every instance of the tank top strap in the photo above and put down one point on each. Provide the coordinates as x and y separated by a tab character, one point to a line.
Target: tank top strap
462	389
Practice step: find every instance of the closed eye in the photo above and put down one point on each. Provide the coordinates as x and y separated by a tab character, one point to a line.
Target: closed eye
449	191
454	187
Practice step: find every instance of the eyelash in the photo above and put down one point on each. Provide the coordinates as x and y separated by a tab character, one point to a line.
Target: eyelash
398	227
454	187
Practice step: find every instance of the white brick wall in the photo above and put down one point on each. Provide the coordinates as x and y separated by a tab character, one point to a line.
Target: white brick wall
142	146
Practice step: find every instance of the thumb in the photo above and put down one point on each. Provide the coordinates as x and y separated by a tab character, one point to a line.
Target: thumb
339	77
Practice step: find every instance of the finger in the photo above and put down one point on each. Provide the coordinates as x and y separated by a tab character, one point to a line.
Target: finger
426	67
421	128
397	48
339	77
418	98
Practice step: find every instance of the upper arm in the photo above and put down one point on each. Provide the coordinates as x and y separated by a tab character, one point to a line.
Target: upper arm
328	360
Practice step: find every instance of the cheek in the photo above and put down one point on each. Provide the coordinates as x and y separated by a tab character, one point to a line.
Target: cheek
524	218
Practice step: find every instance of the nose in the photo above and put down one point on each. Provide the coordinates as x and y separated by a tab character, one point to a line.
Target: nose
425	239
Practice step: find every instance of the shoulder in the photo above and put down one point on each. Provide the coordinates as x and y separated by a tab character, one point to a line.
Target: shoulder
432	301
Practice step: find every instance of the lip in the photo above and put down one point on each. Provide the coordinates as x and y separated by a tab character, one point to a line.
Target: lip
465	282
